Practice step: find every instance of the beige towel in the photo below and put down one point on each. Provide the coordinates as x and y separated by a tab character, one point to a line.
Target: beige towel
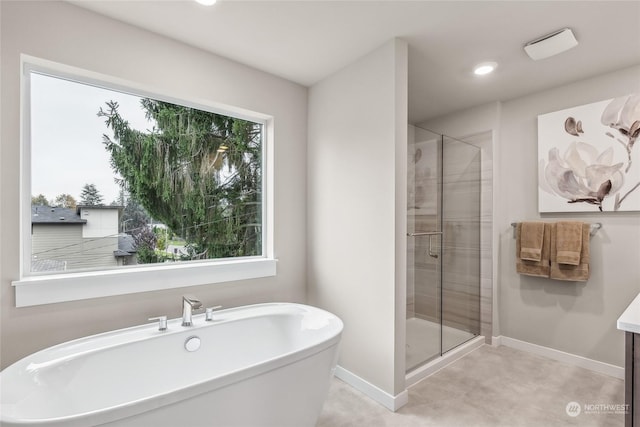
568	242
531	238
575	273
534	268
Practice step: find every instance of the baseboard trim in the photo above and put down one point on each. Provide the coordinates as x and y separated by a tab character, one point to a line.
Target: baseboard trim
393	403
561	356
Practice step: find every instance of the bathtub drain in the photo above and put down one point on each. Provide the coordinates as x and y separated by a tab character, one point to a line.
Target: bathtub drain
192	343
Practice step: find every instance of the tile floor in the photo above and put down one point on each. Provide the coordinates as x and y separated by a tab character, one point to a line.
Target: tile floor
489	387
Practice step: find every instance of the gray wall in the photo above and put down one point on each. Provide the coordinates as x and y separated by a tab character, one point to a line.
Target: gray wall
61	32
357	210
578	318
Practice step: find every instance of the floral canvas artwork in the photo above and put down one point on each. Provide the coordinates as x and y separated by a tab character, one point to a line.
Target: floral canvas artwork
587	161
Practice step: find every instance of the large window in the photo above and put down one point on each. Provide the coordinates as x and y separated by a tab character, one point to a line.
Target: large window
119	181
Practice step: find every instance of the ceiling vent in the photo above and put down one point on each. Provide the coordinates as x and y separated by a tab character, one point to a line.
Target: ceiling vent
551	44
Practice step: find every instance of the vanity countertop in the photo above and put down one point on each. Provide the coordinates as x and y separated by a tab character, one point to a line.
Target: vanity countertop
630	320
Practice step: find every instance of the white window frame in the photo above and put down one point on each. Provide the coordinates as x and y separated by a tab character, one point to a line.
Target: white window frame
37	288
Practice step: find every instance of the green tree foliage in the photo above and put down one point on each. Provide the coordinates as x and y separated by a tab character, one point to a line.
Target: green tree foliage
65	201
161	238
90	196
134	216
121	200
40	199
145	241
197	172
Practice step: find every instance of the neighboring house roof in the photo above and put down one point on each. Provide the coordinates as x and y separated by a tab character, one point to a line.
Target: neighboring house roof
51	215
126	246
98	207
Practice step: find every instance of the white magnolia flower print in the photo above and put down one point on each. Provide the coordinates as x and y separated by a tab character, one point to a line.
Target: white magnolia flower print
623	114
582	174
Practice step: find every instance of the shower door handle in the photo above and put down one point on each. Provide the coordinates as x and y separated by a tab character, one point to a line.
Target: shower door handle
432	254
431	234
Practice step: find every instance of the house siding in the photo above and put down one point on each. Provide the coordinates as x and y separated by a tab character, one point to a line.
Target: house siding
65	243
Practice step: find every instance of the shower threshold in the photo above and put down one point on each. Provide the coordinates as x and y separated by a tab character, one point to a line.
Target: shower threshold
423	341
423	371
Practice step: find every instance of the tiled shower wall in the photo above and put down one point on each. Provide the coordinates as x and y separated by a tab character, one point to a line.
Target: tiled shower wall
467	232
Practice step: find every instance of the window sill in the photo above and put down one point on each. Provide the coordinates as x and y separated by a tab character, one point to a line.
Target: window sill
37	290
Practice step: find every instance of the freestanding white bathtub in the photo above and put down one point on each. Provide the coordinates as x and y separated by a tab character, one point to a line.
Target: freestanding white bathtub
259	365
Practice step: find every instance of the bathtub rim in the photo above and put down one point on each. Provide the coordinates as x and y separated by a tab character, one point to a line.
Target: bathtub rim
172	396
149	331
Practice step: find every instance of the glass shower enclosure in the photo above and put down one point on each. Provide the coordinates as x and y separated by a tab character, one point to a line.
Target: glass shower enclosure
443	246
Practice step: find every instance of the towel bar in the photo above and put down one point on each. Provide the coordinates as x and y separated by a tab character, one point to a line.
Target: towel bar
594	228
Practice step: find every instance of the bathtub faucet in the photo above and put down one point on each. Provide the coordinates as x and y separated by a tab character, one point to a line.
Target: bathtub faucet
189	303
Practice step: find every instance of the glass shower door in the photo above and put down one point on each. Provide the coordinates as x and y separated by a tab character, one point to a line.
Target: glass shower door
423	249
443	247
460	224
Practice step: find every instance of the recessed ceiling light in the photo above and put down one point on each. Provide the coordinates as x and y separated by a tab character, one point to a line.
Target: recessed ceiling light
484	68
207	2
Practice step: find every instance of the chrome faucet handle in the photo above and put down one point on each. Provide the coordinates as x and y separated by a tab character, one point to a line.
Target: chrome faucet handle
162	322
209	313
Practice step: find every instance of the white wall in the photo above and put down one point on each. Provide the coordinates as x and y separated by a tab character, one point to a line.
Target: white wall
356	197
63	33
100	222
578	318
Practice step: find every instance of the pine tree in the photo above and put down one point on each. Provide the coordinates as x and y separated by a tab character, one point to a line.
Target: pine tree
90	196
197	172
